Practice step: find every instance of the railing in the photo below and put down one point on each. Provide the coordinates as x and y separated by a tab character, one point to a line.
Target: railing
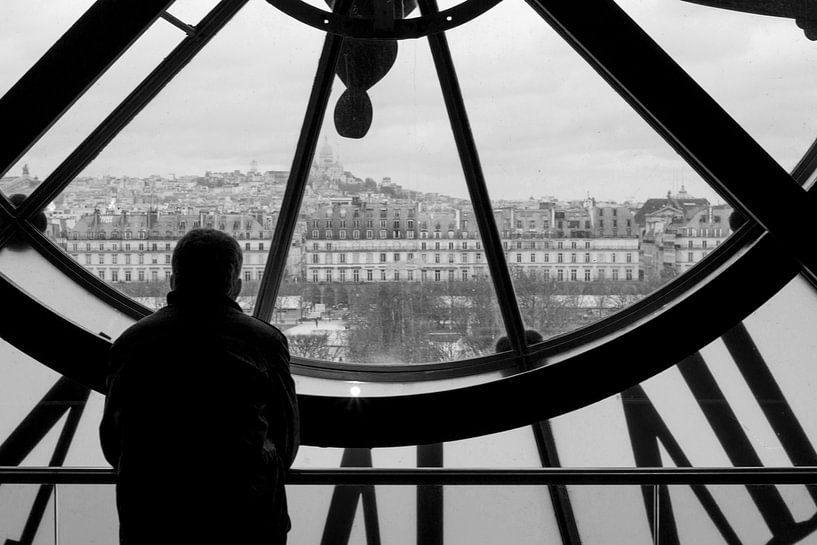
631	505
459	477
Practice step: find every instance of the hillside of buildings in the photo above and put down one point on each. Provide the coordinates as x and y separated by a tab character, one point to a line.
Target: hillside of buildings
377	272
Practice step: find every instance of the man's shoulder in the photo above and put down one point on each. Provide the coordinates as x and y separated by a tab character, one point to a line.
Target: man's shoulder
145	326
264	329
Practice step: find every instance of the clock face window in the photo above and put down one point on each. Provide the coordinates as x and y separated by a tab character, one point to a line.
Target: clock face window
405	201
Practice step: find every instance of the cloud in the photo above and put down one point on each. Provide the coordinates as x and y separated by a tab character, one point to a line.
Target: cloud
543	120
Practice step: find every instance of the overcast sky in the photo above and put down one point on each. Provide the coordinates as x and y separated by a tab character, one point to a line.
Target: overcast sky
544	122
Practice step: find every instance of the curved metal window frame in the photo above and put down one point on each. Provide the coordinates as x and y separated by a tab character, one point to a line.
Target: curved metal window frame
566	22
669	100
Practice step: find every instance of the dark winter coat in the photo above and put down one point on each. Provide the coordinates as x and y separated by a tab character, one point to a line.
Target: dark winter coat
201	425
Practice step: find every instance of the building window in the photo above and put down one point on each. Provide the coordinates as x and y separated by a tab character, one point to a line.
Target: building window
437	276
629	258
369	234
546	275
519	258
328	275
612	258
587	275
355	234
560	275
382	258
328	233
314	275
154	276
451	258
436	258
167	259
342	234
383	274
101	274
114	258
342	275
547	257
533	258
478	258
316	234
246	246
451	275
342	258
127	276
464	258
573	258
629	274
369	275
410	275
465	275
690	257
573	274
382	233
615	274
141	276
560	258
315	259
356	275
396	257
397	275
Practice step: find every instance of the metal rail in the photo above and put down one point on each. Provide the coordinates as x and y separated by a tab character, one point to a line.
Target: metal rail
476	184
470	477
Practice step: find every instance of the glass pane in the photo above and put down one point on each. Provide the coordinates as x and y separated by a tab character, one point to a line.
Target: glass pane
24	387
756	66
755	514
25	34
611	514
204	153
394	267
17	504
595	210
87	112
467	514
87	514
747	401
24	382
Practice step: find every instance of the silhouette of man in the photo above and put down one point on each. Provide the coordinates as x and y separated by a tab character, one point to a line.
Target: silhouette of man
201	418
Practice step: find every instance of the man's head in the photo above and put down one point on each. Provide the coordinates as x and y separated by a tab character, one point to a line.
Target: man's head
503	344
208	263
